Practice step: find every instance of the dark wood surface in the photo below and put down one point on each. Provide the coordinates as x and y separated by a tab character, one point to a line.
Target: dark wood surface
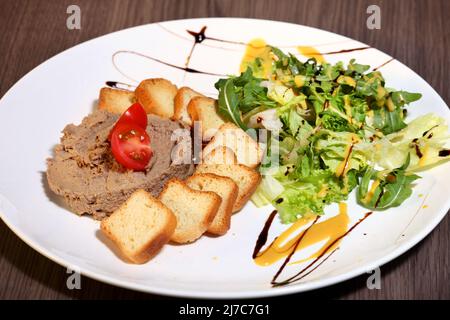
415	32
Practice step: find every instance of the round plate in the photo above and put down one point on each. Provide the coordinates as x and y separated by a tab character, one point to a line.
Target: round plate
64	89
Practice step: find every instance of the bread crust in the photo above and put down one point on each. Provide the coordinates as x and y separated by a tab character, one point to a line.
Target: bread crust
247	150
115	100
157	96
204	110
154	244
228	193
219	155
181	101
236	172
170	197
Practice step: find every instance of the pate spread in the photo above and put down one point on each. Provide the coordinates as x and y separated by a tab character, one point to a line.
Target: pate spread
84	171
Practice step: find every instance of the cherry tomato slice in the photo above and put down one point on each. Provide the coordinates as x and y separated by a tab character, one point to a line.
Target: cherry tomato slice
134	114
130	146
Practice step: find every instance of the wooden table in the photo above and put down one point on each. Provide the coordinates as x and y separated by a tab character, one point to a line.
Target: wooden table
414	32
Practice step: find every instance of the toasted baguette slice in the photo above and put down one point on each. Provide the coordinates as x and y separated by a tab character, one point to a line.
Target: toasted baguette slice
182	99
195	210
205	111
156	96
247	150
226	188
140	227
220	155
115	100
247	179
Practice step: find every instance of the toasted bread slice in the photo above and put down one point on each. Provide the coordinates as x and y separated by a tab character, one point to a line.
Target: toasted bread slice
140	227
247	150
157	96
247	179
115	100
205	110
220	155
182	99
195	210
226	188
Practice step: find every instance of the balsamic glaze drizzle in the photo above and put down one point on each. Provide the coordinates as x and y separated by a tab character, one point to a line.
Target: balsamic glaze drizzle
262	239
345	50
444	153
383	64
300	275
294	249
119	85
426	132
187	69
347	159
198	36
416	146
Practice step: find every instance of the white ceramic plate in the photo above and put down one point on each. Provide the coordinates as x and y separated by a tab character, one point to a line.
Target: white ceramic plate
64	89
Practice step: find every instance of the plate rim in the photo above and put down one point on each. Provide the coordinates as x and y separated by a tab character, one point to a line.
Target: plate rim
269	292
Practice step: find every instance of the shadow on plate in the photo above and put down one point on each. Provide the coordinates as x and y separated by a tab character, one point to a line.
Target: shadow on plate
33	276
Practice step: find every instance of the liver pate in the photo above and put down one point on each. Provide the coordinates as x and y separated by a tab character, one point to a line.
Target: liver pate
86	174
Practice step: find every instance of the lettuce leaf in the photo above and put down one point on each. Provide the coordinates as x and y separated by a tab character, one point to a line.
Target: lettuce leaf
311	194
338	127
332	147
422	140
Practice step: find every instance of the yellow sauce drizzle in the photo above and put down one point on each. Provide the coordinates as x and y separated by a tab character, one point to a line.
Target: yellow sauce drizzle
258	48
328	230
348	108
323	191
423	159
311	52
371	192
344	166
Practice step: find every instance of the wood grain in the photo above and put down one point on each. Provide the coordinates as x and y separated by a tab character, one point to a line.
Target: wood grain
415	32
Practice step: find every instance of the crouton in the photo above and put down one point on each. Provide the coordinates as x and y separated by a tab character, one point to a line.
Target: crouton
157	96
115	100
205	110
226	188
247	179
219	155
140	227
182	99
247	150
195	210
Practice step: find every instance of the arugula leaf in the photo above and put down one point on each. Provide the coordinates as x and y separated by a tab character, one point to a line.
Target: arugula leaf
388	121
392	191
400	98
393	121
356	68
241	95
325	111
229	103
329	72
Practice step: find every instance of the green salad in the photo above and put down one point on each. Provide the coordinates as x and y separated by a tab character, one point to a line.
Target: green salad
332	128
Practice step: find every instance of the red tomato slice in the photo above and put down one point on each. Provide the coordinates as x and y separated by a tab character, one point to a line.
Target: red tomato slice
130	145
134	114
